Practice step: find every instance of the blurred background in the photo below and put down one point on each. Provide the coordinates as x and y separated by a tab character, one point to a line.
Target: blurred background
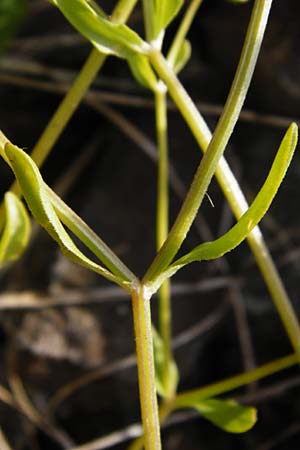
67	345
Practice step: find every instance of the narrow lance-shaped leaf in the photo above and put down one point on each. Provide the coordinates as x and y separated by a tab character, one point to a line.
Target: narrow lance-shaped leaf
106	36
16	233
35	194
226	414
86	235
165	386
258	208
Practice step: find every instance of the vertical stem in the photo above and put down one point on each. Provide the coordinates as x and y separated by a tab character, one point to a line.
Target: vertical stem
162	223
263	258
165	410
146	373
185	399
220	138
162	143
238	203
183	30
148	15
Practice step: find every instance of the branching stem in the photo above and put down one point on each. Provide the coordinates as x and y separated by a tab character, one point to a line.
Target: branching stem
230	188
216	145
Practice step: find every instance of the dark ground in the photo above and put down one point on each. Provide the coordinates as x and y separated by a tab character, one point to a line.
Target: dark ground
223	311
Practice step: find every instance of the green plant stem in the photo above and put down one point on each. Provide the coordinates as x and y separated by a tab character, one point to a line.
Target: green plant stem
165	410
145	364
162	225
221	135
64	113
236	200
148	15
162	222
72	99
183	30
262	256
236	381
221	387
122	11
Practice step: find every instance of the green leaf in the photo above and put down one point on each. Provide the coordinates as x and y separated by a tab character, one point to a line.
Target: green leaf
164	12
258	208
16	233
107	37
183	56
86	235
166	383
11	15
227	414
142	71
36	196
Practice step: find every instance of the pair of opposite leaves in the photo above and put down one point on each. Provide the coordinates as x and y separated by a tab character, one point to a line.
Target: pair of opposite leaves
51	212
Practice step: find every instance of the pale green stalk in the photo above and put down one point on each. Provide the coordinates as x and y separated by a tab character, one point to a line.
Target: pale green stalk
162	223
146	373
148	14
262	255
183	30
165	409
234	196
72	99
162	144
184	399
236	381
220	137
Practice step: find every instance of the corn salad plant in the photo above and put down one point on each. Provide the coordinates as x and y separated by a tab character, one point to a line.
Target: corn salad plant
157	72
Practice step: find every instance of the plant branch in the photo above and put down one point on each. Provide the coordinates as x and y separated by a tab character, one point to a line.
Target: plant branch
183	30
148	15
229	384
238	203
221	387
162	224
220	138
72	99
145	363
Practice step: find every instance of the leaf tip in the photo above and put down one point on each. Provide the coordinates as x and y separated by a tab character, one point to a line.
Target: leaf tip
9	150
294	128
